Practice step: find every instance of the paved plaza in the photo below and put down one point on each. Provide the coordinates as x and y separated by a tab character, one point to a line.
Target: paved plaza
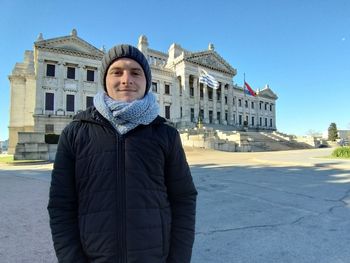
252	208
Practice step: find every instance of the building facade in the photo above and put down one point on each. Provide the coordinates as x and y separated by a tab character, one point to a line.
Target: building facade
61	75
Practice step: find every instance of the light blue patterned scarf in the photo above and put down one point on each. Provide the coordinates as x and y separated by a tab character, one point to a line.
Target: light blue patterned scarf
126	116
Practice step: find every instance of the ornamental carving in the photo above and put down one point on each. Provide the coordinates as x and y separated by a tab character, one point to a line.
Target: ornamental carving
70	85
211	61
50	82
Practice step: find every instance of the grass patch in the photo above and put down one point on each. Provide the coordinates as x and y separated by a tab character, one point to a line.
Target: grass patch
341	152
9	160
6	158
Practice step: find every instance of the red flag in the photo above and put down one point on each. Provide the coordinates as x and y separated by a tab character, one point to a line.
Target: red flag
250	90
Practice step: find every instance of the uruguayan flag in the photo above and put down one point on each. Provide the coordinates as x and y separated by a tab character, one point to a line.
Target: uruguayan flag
205	78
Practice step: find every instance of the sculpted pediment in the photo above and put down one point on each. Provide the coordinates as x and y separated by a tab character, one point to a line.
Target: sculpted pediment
212	60
69	44
267	93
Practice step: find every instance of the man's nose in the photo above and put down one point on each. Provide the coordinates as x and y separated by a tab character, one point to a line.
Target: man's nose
127	78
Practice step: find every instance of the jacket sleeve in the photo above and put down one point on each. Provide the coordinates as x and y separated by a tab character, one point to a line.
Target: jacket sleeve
63	207
182	196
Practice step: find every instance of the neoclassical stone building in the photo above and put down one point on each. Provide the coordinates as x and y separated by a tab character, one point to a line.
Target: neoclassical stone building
60	76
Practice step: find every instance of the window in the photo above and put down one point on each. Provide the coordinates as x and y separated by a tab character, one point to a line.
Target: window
201	91
260	104
226	115
210	116
233	101
180	112
167	112
90	75
260	121
70	103
210	94
240	119
50	70
270	122
239	103
218	94
49	128
49	101
167	89
89	101
265	122
190	81
70	73
252	121
270	107
191	91
246	104
154	87
252	105
192	114
218	115
226	100
266	105
202	114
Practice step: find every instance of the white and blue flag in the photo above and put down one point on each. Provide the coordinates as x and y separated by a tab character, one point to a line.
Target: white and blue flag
205	78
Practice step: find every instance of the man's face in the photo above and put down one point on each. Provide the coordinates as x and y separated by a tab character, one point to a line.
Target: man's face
125	80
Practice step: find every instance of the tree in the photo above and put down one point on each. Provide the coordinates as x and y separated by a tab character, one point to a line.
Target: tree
332	132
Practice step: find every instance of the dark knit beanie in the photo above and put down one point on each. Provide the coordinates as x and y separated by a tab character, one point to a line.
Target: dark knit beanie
125	51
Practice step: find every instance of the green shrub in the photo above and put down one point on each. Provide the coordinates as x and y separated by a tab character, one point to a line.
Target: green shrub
51	138
342	152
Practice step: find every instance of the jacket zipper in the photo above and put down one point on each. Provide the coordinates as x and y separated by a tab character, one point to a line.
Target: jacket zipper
121	200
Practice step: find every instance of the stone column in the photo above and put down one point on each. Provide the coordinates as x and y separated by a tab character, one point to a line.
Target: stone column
223	104
196	94
230	104
205	102
186	98
215	120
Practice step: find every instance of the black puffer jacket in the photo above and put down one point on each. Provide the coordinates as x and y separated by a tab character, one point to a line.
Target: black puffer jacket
127	199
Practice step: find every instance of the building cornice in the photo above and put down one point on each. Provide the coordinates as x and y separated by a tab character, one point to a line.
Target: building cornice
71	53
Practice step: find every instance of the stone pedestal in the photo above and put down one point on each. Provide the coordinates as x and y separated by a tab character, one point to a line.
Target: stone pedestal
31	146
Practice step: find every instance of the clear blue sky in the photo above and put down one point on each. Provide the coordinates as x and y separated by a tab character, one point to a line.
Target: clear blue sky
301	48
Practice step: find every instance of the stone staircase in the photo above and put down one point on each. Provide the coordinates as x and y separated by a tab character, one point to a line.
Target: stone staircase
227	139
274	141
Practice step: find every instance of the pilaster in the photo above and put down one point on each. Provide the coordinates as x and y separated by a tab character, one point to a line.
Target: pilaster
59	100
79	97
40	94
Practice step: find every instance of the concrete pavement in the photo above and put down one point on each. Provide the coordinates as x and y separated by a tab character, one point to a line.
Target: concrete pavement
252	207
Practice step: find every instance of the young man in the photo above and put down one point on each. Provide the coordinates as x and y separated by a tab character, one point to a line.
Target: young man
121	188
